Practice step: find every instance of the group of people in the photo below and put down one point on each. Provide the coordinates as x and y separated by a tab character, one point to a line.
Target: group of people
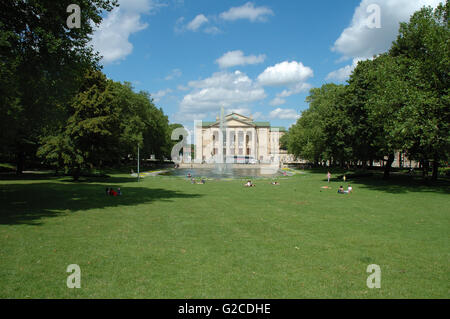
341	188
110	191
342	191
193	181
250	184
202	181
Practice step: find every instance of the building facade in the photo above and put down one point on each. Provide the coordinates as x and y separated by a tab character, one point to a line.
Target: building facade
239	137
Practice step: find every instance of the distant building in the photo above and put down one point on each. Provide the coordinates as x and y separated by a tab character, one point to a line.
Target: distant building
257	142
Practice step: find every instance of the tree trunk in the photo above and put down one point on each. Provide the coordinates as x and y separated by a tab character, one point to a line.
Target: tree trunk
76	173
20	162
387	167
434	177
425	167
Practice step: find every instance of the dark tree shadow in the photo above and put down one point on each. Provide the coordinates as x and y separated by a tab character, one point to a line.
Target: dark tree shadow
402	184
29	203
32	176
398	183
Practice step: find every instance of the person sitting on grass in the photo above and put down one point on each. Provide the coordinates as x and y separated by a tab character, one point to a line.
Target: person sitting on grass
112	192
119	192
202	181
349	189
192	181
341	190
107	191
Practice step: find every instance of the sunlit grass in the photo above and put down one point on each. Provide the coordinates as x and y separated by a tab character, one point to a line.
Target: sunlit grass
168	238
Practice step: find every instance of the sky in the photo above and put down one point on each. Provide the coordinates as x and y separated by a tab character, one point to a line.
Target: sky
257	58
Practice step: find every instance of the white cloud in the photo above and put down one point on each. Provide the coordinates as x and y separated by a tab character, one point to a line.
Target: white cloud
189	118
231	90
160	94
285	73
182	88
234	58
284	114
295	89
242	110
277	101
175	73
361	41
111	37
197	22
212	30
257	115
343	73
247	11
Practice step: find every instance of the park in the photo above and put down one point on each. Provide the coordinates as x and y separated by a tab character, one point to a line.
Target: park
167	238
108	191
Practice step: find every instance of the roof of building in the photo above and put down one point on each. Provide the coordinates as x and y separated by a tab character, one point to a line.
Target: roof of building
262	124
256	124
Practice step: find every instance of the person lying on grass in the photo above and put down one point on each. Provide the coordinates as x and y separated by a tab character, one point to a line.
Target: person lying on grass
202	181
249	184
275	183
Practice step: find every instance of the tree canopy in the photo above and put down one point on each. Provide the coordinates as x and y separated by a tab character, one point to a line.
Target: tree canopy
397	101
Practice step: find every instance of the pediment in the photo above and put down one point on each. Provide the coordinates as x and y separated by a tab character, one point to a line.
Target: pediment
234	123
238	117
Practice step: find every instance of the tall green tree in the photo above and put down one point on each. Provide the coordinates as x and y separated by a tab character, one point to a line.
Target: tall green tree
47	60
423	44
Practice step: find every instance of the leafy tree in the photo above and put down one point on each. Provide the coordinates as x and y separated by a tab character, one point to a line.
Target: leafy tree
423	44
306	137
46	59
107	122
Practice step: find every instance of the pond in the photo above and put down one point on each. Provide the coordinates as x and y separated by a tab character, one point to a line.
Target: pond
229	173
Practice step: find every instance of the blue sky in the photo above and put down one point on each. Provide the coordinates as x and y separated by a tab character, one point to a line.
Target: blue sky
256	58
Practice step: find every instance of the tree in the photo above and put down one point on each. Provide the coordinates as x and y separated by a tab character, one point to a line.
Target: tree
107	121
423	44
46	59
306	138
323	132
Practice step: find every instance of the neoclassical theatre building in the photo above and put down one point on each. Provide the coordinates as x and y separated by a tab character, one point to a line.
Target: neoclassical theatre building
255	142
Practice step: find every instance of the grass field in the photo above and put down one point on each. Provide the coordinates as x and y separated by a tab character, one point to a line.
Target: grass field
167	238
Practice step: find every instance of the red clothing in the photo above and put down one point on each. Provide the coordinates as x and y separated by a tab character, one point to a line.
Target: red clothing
113	192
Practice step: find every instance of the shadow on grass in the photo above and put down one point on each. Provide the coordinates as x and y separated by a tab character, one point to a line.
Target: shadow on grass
29	203
32	176
397	184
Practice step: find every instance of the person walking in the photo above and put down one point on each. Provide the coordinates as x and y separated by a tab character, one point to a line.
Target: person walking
329	176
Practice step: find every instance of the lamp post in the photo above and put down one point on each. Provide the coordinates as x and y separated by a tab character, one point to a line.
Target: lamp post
138	165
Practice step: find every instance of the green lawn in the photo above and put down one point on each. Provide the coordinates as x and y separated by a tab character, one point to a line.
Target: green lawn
167	238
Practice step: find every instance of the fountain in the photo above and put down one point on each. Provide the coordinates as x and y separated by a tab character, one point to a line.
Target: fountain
221	165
